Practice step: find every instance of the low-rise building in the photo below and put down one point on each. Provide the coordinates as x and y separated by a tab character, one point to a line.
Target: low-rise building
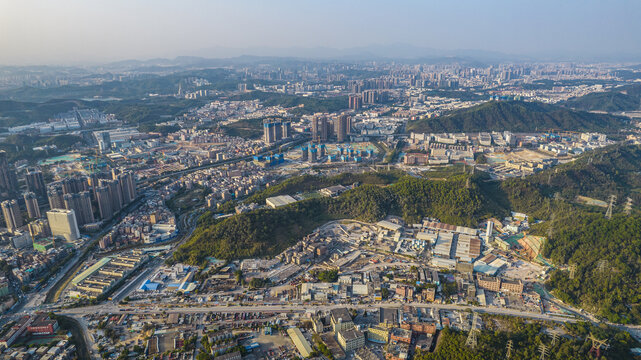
302	345
351	339
340	319
378	334
401	335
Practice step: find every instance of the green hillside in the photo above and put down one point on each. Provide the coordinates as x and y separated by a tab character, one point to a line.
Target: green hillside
134	88
268	231
613	170
306	104
516	116
581	235
626	98
15	113
577	234
526	337
609	289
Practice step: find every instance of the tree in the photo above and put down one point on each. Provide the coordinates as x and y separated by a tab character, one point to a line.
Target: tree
238	274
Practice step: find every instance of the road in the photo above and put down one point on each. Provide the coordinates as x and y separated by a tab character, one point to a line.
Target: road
187	222
111	308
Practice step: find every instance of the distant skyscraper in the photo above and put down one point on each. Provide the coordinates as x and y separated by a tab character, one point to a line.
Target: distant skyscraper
320	129
76	184
343	127
63	223
54	194
127	186
8	179
104	202
370	96
31	202
80	203
115	193
36	182
104	141
275	130
12	215
355	102
313	153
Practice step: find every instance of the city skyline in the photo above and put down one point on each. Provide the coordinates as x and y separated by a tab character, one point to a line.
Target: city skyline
80	33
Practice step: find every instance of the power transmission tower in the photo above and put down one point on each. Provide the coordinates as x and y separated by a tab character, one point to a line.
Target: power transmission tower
608	213
544	351
572	272
555	338
471	337
628	206
597	345
509	348
549	178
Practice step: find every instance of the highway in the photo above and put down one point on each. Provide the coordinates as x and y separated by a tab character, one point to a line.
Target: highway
112	308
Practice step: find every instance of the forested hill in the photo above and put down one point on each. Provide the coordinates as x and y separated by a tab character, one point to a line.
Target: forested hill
625	98
614	170
606	253
266	232
517	116
577	234
457	201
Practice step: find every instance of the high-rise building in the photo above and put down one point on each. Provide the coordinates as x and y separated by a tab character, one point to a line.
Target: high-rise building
12	215
63	223
313	153
370	96
127	186
104	202
8	179
76	184
80	203
36	182
115	193
319	129
355	102
39	228
275	130
104	141
54	194
31	202
343	127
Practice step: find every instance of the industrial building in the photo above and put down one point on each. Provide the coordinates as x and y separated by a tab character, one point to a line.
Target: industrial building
278	201
105	273
302	345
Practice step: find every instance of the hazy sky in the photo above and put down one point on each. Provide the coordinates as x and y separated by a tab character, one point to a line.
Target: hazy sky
73	31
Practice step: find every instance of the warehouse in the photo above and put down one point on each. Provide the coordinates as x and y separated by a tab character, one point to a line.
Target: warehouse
302	345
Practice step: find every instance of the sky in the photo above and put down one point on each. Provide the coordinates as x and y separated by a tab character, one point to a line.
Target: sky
96	31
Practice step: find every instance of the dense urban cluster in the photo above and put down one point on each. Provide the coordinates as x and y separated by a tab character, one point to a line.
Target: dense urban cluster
326	210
